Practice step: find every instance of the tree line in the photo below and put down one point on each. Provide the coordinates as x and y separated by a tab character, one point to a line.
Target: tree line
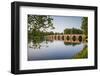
72	31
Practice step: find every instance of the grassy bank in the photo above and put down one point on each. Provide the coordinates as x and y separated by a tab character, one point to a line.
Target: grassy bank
82	54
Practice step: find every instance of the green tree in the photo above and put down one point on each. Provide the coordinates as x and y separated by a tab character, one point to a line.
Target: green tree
67	31
51	33
38	26
72	31
39	22
76	31
84	26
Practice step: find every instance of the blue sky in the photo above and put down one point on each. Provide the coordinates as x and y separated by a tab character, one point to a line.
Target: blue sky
62	22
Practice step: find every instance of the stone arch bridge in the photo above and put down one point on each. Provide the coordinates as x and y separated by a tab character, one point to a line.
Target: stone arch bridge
74	38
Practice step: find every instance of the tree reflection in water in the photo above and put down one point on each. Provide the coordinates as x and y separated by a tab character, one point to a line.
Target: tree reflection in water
35	42
69	43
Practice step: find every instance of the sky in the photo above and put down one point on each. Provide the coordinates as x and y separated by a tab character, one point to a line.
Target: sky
62	22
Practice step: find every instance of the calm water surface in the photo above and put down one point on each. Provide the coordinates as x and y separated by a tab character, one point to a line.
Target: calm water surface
53	50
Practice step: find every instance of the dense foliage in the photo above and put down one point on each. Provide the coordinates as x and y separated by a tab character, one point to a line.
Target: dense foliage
39	22
72	31
84	26
38	25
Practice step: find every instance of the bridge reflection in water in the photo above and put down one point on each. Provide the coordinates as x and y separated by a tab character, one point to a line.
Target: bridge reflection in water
70	38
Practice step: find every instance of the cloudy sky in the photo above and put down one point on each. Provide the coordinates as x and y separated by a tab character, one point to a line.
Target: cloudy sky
62	22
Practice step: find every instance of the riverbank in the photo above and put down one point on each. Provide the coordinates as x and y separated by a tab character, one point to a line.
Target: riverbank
82	54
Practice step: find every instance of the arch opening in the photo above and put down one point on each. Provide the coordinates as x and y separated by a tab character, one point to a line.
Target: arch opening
67	38
80	38
62	37
74	38
55	37
58	37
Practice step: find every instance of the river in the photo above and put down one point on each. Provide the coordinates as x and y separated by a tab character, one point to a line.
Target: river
52	50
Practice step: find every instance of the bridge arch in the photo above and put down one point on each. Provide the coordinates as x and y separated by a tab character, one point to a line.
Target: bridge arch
62	37
58	37
55	37
68	37
80	38
74	38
